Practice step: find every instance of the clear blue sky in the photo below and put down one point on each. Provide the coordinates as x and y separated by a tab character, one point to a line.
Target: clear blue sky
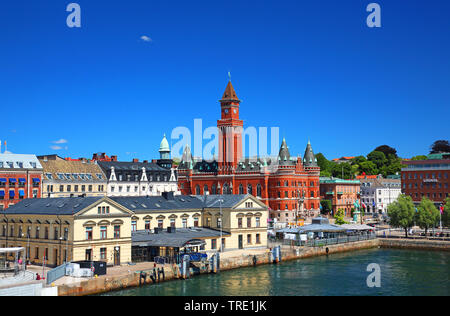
313	68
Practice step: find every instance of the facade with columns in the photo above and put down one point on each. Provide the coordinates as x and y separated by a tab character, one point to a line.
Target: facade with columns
141	178
285	184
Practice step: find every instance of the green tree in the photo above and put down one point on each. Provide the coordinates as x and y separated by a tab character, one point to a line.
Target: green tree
339	217
446	214
420	157
368	167
427	214
401	213
440	146
378	158
324	165
342	170
358	160
387	150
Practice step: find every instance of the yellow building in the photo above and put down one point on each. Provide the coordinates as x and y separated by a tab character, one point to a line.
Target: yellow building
69	229
71	178
118	230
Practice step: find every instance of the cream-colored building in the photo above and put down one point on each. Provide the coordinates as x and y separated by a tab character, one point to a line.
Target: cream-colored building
71	178
119	230
69	229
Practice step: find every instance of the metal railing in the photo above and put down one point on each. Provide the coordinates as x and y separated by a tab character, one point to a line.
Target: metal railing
56	273
323	242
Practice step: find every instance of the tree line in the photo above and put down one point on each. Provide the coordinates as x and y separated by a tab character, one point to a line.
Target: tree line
403	214
382	160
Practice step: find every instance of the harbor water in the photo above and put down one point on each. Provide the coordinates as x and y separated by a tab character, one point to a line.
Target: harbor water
402	272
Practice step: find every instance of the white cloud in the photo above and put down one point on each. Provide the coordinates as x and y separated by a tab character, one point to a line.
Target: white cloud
56	147
61	141
145	38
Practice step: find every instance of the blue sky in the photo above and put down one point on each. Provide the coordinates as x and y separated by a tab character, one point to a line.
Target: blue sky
312	68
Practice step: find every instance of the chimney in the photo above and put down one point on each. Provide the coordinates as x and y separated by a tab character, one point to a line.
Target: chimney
94	157
113	158
135	160
145	161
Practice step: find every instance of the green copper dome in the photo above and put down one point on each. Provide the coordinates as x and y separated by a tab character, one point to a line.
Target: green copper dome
164	146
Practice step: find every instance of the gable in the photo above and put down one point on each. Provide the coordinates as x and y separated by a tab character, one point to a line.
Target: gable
104	207
250	202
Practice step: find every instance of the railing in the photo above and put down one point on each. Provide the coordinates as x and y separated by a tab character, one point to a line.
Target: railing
56	273
22	277
323	242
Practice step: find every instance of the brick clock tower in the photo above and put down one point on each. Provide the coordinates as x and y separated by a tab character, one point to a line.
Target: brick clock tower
230	132
288	185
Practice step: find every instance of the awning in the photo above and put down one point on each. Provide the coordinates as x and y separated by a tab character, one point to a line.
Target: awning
3	180
22	180
2	193
21	193
12	180
12	193
36	180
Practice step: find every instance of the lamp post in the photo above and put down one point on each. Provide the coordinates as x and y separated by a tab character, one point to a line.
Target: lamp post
221	224
301	199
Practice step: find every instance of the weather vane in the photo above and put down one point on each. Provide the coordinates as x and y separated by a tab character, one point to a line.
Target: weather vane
229	76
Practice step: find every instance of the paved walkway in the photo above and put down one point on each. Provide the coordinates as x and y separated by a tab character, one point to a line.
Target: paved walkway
129	269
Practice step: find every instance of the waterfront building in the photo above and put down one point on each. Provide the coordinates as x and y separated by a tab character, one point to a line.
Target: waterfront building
196	223
378	193
20	178
342	193
55	230
287	185
140	178
427	178
71	177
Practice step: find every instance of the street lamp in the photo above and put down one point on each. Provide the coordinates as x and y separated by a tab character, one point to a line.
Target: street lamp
221	223
301	199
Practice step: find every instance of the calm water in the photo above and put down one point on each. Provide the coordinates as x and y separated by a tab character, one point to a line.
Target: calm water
403	272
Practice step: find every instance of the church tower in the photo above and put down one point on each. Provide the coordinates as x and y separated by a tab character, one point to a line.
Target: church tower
230	131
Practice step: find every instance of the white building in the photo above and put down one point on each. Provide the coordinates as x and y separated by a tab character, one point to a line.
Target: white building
377	194
141	178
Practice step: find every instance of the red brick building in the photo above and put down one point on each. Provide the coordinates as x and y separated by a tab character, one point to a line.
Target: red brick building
20	178
281	182
427	178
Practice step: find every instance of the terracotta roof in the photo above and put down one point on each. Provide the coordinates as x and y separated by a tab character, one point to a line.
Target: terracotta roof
229	93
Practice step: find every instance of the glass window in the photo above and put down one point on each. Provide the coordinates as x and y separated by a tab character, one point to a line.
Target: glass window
103	232
88	233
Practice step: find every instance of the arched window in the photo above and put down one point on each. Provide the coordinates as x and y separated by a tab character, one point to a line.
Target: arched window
241	189
225	188
205	189
213	189
258	190
249	189
197	189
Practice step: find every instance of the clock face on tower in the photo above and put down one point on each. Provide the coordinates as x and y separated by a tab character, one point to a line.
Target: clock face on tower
234	111
226	111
